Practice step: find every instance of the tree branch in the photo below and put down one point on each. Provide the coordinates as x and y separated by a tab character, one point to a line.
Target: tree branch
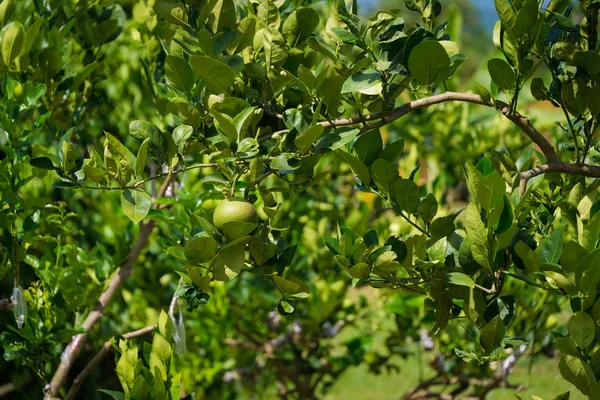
100	356
522	122
557	166
74	348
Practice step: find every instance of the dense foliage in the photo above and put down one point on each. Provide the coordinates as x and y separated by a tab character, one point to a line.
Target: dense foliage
230	197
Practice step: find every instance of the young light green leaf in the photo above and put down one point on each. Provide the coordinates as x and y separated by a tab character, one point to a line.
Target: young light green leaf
12	43
136	204
459	279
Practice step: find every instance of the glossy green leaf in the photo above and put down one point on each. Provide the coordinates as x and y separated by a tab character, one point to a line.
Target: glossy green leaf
406	194
502	73
200	249
12	43
179	73
216	74
136	204
492	334
582	329
427	60
384	175
576	371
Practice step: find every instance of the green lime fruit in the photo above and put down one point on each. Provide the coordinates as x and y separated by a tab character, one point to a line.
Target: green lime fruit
19	92
235	218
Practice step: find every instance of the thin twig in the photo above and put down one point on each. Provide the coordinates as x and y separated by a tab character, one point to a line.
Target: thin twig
99	357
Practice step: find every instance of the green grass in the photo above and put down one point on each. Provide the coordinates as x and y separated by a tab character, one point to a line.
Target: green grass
357	383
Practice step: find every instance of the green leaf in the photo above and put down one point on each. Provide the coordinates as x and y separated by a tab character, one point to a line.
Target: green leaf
7	8
593	101
506	13
459	279
331	92
589	61
574	94
114	394
161	347
285	162
229	262
299	25
216	74
179	73
143	130
245	34
165	326
490	192
478	236
502	74
274	47
42	162
172	11
384	175
368	146
181	135
407	195
442	227
485	166
242	121
588	272
393	151
427	208
576	371
492	334
201	249
306	139
551	247
366	82
582	329
359	169
483	92
141	158
119	161
225	127
427	60
136	204
530	258
222	16
336	140
12	43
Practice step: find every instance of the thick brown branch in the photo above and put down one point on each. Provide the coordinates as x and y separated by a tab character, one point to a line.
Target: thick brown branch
100	356
74	348
557	166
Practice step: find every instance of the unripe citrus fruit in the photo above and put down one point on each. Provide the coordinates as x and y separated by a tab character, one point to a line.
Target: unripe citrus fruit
19	92
235	217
